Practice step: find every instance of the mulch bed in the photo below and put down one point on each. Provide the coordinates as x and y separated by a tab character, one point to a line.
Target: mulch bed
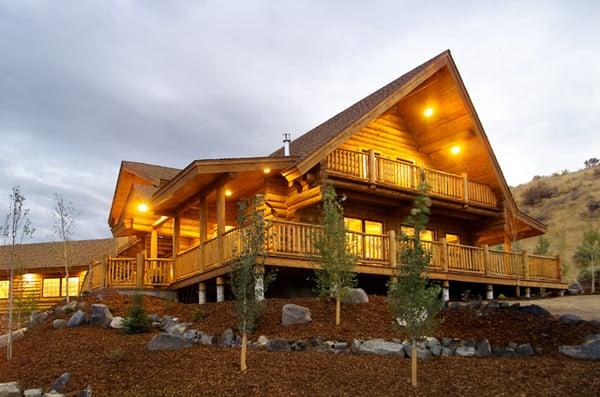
120	365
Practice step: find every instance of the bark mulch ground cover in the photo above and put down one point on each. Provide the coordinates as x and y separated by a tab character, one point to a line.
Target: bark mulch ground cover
120	365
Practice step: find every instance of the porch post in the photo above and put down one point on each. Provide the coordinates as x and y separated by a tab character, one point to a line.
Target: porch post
371	172
489	293
203	226
201	293
486	260
393	254
444	255
527	292
176	235
518	291
446	290
139	270
154	244
466	188
220	221
220	289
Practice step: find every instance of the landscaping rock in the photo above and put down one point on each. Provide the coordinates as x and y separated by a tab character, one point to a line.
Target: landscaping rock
355	296
78	318
262	340
167	322
87	392
16	335
298	346
483	348
59	323
339	347
166	341
436	350
155	318
37	318
69	307
191	335
575	289
176	328
446	352
54	393
101	315
456	305
33	393
278	345
446	342
117	322
465	351
504	352
227	338
293	314
60	382
525	350
492	305
570	319
381	347
206	339
534	309
11	389
591	338
422	351
587	351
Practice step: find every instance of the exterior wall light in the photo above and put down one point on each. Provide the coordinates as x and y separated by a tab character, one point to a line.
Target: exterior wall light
428	112
228	193
143	207
455	149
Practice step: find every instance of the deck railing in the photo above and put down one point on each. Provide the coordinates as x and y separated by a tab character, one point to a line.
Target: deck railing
158	272
376	169
121	272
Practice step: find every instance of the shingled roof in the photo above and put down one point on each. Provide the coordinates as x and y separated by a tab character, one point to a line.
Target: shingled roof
150	172
49	255
323	133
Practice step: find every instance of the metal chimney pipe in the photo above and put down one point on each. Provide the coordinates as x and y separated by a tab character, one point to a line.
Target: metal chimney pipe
286	143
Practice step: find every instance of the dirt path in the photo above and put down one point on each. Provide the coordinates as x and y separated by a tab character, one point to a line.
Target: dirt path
585	306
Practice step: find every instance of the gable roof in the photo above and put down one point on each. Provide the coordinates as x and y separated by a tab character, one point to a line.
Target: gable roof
49	255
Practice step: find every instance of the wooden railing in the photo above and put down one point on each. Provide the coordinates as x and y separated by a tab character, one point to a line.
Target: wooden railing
187	262
377	169
121	272
158	272
95	275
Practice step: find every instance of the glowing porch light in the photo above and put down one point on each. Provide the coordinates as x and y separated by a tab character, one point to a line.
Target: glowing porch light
428	112
143	207
455	149
228	193
28	277
267	170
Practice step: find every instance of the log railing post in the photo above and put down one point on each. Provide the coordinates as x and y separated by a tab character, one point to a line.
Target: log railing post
525	265
392	253
203	232
372	171
465	187
139	270
444	255
220	223
104	271
486	260
558	269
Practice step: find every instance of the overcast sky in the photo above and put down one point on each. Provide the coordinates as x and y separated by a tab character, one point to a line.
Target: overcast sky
86	84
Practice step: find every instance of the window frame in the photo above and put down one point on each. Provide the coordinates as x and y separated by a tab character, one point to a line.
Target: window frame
61	286
7	289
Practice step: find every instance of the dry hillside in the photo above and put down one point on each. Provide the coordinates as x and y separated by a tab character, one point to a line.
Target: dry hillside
566	202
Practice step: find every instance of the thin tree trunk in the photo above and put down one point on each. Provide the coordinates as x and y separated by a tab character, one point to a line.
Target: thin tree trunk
10	313
243	366
413	362
66	269
338	309
593	275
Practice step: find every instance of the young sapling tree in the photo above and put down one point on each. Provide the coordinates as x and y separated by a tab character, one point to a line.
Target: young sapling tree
64	216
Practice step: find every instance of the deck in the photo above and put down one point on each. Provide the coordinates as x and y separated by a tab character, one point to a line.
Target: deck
290	244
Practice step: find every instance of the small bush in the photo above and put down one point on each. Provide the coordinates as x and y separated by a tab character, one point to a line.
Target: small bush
501	297
538	192
198	314
137	320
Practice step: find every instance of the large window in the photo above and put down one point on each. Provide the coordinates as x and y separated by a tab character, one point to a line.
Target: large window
426	235
370	244
57	287
4	284
452	238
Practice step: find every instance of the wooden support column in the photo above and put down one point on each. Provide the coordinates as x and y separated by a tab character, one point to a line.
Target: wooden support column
372	171
176	235
507	246
220	221
139	270
220	289
466	188
527	292
446	290
489	293
486	260
154	244
201	293
393	249
203	233
444	255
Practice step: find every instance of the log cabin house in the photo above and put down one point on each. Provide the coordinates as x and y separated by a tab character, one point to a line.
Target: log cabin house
40	274
182	223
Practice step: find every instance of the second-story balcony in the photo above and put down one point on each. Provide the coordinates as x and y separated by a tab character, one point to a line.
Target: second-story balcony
375	169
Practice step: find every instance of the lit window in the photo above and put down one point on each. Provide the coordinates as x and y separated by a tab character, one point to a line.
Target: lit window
370	244
452	238
426	235
353	224
51	287
4	285
73	286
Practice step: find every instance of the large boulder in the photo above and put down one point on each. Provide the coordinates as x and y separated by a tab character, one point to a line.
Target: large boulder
355	296
575	289
587	351
59	323
166	341
483	348
10	389
117	322
422	351
37	318
69	307
61	382
570	319
381	347
227	339
534	309
101	315
293	314
78	318
16	335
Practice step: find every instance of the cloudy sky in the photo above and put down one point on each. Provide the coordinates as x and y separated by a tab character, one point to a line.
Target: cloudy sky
86	84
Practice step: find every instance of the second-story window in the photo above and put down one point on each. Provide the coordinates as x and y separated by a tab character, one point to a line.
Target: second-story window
426	235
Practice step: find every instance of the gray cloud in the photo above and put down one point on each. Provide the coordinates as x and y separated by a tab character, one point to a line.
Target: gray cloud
87	84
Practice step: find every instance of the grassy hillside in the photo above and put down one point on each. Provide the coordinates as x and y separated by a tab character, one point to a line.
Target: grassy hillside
566	202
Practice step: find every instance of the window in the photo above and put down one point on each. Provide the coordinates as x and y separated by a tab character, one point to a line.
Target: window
57	287
4	285
452	238
371	244
426	235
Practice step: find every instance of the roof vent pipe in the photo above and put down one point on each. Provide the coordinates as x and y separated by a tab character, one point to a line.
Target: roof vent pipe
286	143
